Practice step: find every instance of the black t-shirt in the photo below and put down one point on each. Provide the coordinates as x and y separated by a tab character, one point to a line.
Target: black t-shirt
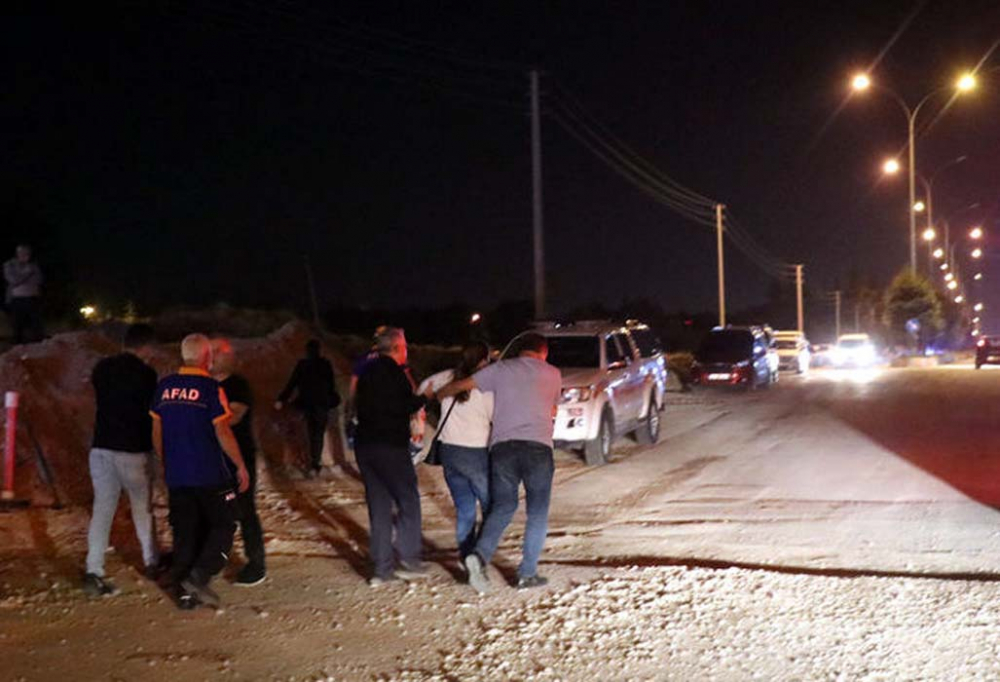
385	401
124	386
238	391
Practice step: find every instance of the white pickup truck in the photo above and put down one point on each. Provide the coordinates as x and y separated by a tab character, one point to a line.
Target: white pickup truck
613	382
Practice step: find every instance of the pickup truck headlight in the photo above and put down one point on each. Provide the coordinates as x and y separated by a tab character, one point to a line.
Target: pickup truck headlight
576	395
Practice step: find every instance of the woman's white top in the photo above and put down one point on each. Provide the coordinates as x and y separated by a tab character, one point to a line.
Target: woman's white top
469	423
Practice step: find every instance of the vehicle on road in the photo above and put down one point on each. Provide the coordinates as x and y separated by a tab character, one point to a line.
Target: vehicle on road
821	354
614	378
854	350
987	351
731	356
793	351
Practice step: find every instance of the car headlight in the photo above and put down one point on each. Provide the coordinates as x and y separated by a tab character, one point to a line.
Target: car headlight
576	394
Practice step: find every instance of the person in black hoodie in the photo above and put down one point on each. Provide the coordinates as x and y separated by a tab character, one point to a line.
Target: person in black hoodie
384	402
316	394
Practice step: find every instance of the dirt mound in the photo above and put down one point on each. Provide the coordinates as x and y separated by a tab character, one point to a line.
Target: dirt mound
57	402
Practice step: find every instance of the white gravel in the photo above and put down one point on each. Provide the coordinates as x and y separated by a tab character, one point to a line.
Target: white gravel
735	624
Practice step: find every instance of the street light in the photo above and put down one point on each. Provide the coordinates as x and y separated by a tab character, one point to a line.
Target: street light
959	298
863	82
919	207
929	234
977	253
978	307
938	253
976	233
944	266
978	276
890	167
975	320
949	276
952	284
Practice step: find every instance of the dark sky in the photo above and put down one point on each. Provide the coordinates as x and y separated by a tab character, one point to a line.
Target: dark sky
194	152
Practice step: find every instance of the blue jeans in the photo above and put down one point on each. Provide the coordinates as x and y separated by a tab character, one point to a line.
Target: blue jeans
467	473
110	471
514	462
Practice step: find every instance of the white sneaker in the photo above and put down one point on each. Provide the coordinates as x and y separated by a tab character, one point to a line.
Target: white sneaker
478	579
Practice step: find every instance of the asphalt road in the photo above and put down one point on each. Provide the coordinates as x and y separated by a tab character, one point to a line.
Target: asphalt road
842	471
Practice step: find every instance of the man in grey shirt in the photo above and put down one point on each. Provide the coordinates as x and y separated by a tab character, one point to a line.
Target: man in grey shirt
24	290
526	391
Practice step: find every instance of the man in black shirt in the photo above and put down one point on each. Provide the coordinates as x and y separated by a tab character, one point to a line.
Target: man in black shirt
316	394
384	403
122	453
240	397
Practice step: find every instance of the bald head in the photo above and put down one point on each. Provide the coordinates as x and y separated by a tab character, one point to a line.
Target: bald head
196	351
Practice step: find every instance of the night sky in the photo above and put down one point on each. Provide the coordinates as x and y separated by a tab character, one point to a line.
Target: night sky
194	152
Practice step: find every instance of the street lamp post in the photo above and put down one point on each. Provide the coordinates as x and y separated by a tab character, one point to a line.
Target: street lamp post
862	82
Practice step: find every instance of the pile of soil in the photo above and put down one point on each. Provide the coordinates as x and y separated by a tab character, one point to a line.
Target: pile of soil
56	415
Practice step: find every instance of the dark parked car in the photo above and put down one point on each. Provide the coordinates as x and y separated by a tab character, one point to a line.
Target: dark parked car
987	351
734	357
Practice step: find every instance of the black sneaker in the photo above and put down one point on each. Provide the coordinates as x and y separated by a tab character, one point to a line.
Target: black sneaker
529	581
186	600
412	570
96	586
194	584
250	575
477	574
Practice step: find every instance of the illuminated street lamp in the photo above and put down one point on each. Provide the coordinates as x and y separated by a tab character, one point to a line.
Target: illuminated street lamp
919	207
939	253
890	167
88	312
977	253
978	307
959	298
475	319
978	276
862	82
948	277
944	266
929	234
975	320
952	284
976	233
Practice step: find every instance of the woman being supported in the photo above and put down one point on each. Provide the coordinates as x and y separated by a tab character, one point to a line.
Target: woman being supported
464	440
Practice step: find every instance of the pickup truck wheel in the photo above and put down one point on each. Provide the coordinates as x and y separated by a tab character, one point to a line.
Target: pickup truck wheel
596	452
649	429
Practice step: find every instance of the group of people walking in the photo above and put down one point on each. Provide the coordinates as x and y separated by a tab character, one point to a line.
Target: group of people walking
495	435
198	421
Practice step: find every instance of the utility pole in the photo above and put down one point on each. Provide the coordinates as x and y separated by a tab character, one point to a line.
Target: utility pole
798	297
536	185
836	302
857	318
722	265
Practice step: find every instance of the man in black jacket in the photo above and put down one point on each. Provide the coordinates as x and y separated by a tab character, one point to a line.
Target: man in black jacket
316	394
385	400
122	454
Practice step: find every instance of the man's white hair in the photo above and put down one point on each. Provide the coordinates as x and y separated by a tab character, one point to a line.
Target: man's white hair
387	338
194	348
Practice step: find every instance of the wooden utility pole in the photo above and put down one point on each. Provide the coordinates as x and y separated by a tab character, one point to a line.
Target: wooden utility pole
722	265
798	298
536	205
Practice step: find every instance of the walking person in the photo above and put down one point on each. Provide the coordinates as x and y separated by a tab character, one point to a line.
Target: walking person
312	382
192	435
121	456
23	296
385	401
464	439
240	397
526	391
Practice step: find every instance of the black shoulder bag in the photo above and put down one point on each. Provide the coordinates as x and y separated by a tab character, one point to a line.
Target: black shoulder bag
434	451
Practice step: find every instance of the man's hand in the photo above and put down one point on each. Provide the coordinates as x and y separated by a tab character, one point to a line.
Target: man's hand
243	477
429	393
278	405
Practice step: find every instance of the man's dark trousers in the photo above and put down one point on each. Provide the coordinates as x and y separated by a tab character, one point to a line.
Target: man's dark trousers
250	528
316	420
390	480
26	319
203	524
